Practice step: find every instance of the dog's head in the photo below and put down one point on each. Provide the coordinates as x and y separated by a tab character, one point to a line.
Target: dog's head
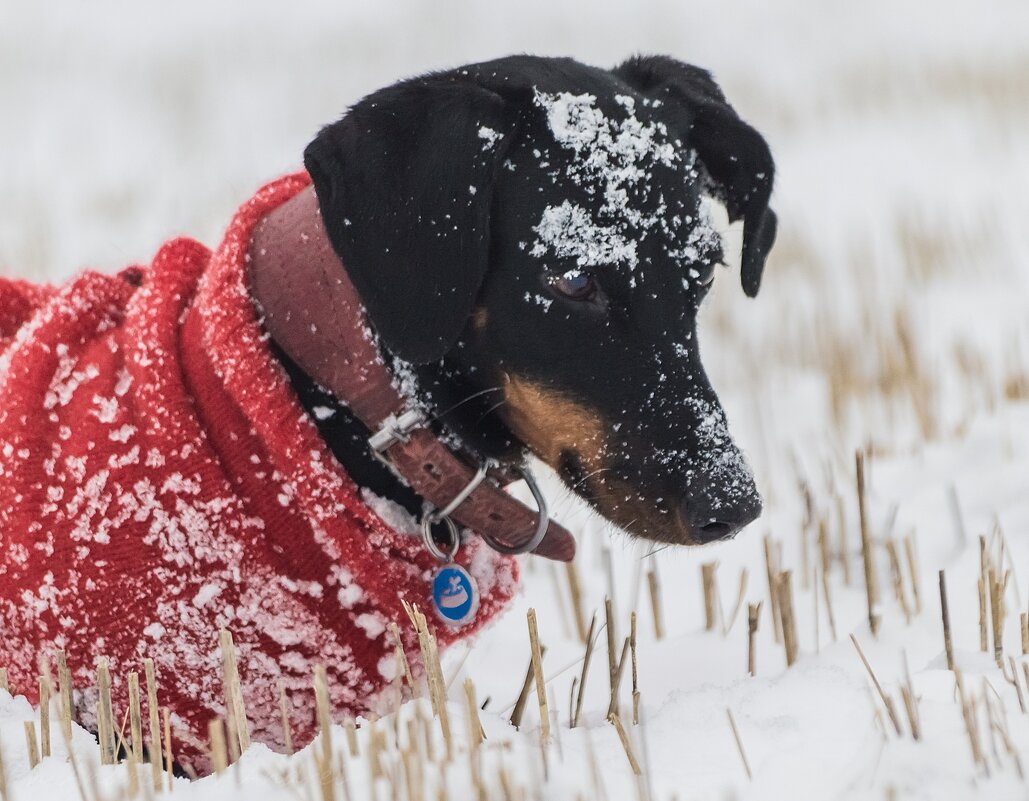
534	236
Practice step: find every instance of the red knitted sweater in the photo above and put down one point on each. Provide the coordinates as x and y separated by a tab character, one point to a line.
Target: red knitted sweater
159	481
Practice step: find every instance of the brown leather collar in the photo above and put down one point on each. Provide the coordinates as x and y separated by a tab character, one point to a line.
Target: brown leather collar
329	338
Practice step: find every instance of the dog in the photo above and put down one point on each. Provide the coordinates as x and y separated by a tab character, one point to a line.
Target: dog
284	437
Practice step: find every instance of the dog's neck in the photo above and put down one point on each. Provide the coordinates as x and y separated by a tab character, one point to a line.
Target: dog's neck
298	302
319	328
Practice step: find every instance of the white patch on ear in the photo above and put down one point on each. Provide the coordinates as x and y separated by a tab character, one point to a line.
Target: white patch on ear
731	234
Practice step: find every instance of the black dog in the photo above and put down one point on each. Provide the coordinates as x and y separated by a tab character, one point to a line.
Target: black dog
531	240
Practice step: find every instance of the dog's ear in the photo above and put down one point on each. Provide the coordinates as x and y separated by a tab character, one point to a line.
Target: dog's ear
405	182
736	157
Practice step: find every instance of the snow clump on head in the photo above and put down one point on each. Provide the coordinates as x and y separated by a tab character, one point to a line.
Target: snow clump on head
569	230
613	161
716	458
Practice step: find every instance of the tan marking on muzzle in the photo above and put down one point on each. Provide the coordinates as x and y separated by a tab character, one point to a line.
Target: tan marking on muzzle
549	422
620	502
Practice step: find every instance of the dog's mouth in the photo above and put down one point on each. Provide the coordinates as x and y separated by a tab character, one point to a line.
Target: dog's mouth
663	517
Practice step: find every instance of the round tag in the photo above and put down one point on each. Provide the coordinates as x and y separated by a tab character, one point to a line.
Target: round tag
455	595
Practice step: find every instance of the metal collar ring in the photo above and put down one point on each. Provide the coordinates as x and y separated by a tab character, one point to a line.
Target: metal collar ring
443	515
430	543
542	520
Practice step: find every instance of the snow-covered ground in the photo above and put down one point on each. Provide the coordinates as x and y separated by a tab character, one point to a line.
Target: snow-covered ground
892	317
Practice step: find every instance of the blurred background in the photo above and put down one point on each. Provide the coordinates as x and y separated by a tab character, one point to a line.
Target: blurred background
124	123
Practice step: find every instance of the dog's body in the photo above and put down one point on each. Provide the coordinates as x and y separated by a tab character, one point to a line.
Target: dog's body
159	482
530	240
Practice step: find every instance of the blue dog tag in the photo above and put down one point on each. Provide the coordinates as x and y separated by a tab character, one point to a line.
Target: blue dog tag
455	595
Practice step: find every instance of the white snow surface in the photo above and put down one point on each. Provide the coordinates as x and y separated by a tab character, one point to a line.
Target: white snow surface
901	136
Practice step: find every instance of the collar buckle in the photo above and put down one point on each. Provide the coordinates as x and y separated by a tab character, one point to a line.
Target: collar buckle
394	429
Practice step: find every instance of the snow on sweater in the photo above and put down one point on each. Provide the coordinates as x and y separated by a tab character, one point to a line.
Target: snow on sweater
159	481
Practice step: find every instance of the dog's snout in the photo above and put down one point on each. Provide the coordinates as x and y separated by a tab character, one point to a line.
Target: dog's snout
708	519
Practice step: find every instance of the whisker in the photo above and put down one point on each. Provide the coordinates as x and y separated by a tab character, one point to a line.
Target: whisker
463	401
590	475
491	409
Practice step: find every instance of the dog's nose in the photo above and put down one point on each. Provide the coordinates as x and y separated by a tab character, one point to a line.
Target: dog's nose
708	518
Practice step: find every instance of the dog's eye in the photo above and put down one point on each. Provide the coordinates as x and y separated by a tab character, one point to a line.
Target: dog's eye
703	274
575	284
